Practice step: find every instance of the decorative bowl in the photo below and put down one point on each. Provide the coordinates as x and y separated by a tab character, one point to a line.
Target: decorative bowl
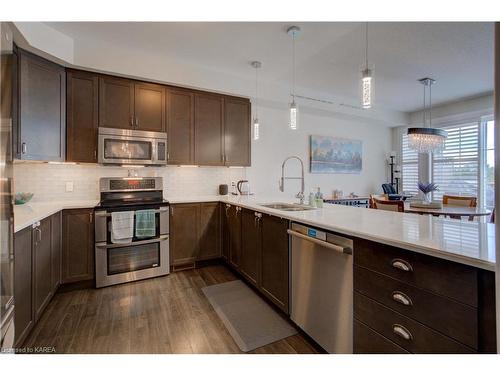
22	198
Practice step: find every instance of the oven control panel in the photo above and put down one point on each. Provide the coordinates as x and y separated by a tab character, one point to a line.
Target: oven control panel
131	184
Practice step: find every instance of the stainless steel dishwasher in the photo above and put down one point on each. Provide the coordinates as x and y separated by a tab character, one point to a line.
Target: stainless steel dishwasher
322	287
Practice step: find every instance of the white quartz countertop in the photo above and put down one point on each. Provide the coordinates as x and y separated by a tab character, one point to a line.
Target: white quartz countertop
465	242
29	213
471	243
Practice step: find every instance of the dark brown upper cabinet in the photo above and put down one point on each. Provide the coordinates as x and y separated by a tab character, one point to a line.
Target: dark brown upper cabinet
82	92
40	101
149	107
209	129
180	127
126	104
237	132
116	103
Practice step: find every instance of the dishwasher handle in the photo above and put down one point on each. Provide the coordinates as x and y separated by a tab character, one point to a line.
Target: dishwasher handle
337	248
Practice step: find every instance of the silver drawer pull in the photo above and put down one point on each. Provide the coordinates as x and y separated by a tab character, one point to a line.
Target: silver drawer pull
401	331
402	298
402	265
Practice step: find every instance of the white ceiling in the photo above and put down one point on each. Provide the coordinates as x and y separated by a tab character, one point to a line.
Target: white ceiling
329	56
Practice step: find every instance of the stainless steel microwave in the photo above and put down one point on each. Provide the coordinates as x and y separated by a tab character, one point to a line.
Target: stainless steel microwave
121	146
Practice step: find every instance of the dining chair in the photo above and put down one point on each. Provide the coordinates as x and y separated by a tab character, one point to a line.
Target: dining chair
387	205
457	200
381	197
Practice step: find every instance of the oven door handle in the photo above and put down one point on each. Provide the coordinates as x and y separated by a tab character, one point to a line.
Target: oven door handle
145	242
107	214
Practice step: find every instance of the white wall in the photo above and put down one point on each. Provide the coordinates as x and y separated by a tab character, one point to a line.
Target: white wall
277	142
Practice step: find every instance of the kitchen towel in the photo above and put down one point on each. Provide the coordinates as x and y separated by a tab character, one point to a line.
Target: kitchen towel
145	223
122	226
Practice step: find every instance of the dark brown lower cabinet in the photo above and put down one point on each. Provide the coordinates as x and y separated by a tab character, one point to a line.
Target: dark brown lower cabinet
56	238
251	245
225	230
234	235
78	245
37	272
42	266
194	232
257	248
23	284
419	303
275	266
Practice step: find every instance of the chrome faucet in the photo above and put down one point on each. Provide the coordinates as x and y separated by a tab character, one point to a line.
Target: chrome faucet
300	194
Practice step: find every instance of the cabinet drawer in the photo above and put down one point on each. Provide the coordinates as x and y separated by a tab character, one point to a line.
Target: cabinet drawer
447	316
392	325
443	277
367	341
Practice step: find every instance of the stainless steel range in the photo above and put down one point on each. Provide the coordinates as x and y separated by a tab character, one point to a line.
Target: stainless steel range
144	254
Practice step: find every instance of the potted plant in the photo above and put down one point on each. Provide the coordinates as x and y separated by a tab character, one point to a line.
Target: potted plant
427	188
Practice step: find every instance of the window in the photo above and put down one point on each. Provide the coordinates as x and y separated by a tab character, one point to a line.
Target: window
455	169
409	168
488	187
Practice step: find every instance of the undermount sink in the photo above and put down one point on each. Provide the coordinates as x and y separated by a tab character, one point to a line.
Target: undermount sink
287	206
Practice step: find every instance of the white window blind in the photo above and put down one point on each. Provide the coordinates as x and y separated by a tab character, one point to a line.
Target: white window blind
409	167
456	168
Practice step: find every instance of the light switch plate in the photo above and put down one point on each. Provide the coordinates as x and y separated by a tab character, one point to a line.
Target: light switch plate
69	186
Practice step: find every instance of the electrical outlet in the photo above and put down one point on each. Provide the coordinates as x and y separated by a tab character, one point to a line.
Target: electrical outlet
69	186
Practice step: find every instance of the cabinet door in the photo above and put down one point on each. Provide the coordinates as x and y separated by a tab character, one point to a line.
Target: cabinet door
82	114
42	267
23	317
209	231
78	245
56	249
149	107
180	127
274	282
116	103
184	231
41	124
251	242
225	208
208	137
234	226
237	132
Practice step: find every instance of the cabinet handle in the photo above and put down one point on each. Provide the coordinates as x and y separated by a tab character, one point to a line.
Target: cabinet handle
95	154
402	265
228	206
402	298
24	148
91	217
258	216
39	231
136	121
132	121
401	331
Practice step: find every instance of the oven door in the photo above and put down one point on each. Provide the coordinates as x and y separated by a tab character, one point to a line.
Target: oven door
120	263
118	146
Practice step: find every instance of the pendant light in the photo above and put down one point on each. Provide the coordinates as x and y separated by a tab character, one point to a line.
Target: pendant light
427	139
293	31
366	78
256	65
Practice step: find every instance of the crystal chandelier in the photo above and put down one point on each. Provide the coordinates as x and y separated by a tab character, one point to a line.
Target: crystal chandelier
427	139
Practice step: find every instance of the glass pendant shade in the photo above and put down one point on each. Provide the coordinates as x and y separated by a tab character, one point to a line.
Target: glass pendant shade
367	88
256	134
425	140
293	115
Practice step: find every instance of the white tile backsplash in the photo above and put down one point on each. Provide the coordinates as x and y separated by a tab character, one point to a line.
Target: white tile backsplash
48	181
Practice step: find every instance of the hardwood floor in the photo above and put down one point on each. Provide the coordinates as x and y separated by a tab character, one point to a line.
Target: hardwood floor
163	315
